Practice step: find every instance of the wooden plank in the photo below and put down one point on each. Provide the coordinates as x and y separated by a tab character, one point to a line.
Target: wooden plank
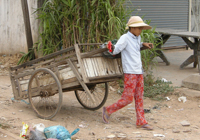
91	53
13	83
90	67
111	66
116	66
105	77
26	73
93	67
106	69
97	81
78	54
100	66
42	58
80	80
96	67
86	67
19	88
120	65
57	73
180	33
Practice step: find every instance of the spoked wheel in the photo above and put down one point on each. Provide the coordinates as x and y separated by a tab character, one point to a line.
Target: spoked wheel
45	93
100	93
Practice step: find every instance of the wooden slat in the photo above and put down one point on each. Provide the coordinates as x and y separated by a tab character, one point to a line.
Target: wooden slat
78	54
116	66
106	69
86	68
105	77
96	66
120	65
15	91
90	67
59	60
42	58
19	88
80	80
101	66
110	66
91	53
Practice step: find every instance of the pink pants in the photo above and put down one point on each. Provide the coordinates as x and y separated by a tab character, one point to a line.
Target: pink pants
133	87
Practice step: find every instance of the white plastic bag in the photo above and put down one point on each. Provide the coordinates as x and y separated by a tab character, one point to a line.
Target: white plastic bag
40	127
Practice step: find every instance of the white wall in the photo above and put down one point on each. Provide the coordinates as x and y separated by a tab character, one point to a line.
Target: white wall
195	16
12	29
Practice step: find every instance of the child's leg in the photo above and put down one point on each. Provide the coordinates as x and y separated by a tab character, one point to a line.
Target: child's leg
139	101
127	96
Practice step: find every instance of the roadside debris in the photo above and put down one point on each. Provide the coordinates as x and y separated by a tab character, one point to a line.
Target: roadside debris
164	80
59	132
182	98
158	135
147	111
24	130
168	99
39	132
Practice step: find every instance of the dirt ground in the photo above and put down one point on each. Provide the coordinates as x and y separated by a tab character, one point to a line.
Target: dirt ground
166	116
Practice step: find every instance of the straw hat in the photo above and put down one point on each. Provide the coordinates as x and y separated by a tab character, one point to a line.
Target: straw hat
136	21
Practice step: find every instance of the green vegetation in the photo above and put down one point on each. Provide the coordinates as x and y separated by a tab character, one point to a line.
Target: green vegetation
158	89
92	21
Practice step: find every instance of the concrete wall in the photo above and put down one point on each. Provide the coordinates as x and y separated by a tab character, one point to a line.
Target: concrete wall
195	16
12	29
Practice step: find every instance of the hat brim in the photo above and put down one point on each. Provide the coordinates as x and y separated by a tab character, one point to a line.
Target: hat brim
145	26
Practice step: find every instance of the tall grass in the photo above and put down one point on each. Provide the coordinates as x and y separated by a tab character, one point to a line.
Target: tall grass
90	21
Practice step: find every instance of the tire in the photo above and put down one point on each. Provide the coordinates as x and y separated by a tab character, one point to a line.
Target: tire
99	96
46	101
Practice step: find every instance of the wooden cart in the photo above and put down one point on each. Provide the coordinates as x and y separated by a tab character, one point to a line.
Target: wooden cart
44	80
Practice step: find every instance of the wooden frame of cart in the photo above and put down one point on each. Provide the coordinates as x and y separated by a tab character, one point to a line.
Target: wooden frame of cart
43	80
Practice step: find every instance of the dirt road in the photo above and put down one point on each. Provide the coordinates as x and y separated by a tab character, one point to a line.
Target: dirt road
165	116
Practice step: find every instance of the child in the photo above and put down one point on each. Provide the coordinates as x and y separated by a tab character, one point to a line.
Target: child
129	45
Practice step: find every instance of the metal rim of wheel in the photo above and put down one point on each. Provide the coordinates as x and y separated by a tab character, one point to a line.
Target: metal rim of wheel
48	103
98	94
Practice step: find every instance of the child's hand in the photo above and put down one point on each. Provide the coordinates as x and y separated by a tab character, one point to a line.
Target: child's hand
109	46
148	45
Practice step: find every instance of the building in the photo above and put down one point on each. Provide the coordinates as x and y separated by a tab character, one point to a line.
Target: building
175	14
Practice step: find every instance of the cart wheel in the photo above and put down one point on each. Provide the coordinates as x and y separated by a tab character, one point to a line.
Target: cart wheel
45	93
99	94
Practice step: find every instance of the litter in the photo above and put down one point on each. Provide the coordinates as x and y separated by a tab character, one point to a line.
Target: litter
24	130
40	127
59	132
168	99
158	135
21	101
147	111
36	134
164	80
182	98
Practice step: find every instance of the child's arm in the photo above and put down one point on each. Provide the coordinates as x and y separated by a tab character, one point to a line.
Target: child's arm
147	46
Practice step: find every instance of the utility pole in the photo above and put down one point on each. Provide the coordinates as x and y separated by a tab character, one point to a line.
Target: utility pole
27	24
